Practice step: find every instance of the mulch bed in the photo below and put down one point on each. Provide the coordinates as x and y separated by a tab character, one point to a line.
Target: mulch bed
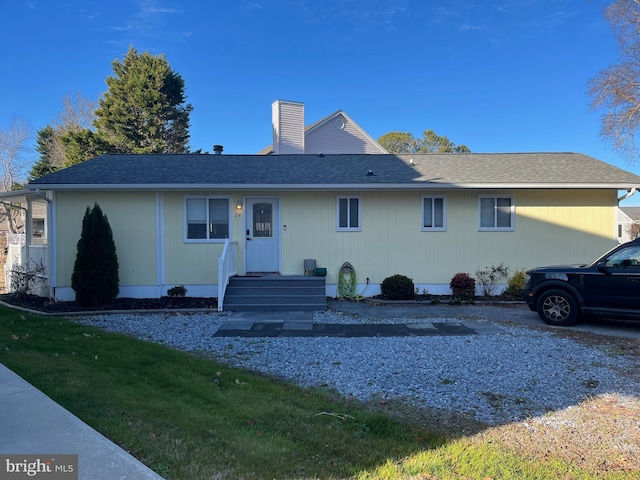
43	304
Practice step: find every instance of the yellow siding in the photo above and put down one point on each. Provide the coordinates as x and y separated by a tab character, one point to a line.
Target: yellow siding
550	227
193	263
132	217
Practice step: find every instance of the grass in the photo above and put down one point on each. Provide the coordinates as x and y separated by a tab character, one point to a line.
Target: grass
189	417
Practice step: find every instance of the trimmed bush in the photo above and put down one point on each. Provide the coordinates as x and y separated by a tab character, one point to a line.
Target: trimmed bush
398	287
489	277
95	273
463	286
515	285
177	291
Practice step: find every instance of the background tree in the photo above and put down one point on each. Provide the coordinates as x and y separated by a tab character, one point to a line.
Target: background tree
46	144
15	158
143	110
95	276
398	142
616	90
431	142
81	145
78	113
69	139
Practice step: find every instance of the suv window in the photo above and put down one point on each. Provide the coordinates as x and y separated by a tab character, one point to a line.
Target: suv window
624	258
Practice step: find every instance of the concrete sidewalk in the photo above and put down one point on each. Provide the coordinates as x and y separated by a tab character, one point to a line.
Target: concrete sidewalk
32	423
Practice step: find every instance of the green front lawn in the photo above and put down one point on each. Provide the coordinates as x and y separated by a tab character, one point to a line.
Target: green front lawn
188	417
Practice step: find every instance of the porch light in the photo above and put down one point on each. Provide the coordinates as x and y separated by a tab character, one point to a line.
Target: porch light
239	205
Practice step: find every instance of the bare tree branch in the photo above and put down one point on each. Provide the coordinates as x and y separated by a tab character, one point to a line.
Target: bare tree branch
77	113
616	90
15	159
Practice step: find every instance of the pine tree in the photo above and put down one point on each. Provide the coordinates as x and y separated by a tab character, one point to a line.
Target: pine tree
44	145
143	110
95	273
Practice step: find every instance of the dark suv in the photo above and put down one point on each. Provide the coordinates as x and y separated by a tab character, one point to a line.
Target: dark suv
609	287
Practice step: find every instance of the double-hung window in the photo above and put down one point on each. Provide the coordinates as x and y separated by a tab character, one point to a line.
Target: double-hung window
495	213
433	213
348	215
206	218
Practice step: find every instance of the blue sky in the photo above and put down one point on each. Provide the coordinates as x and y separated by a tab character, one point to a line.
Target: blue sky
497	76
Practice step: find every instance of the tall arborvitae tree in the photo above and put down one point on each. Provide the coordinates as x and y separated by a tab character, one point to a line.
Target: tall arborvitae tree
144	110
95	276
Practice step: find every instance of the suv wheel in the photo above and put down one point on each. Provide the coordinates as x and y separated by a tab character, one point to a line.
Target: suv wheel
558	307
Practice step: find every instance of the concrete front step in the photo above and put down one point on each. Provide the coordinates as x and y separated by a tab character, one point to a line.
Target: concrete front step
267	307
275	293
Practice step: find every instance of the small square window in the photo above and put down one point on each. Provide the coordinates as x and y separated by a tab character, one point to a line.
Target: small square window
348	214
38	228
207	218
496	213
433	214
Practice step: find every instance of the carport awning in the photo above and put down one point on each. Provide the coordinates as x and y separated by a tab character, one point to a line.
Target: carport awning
19	196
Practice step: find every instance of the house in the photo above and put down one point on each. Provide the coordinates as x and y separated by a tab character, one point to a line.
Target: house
324	196
628	223
197	219
333	134
13	233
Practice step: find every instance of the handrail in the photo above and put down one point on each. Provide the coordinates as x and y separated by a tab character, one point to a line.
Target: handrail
227	268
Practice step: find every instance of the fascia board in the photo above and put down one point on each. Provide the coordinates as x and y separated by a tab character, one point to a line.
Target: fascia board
19	196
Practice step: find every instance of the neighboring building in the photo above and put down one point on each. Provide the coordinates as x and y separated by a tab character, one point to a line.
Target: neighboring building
334	134
628	223
425	216
16	253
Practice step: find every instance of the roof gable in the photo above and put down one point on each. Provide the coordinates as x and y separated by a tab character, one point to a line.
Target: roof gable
334	134
338	133
632	213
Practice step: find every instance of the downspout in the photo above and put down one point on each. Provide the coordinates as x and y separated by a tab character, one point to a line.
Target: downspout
44	197
629	193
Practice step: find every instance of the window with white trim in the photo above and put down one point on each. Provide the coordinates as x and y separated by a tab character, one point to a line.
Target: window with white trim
433	213
207	218
496	213
348	216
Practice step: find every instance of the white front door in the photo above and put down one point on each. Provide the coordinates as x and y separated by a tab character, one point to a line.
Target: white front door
262	251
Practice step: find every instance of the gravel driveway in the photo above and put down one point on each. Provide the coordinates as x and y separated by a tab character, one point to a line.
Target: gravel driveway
526	370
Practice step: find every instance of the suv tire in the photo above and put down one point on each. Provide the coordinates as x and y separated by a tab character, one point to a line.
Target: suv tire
558	307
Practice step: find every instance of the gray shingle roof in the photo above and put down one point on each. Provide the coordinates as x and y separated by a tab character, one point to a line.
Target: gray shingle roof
632	212
473	170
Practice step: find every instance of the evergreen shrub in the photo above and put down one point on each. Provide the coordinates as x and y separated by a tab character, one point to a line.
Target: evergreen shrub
398	287
177	291
515	285
95	276
463	286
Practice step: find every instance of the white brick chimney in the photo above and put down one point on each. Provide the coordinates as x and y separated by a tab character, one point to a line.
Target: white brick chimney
288	127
